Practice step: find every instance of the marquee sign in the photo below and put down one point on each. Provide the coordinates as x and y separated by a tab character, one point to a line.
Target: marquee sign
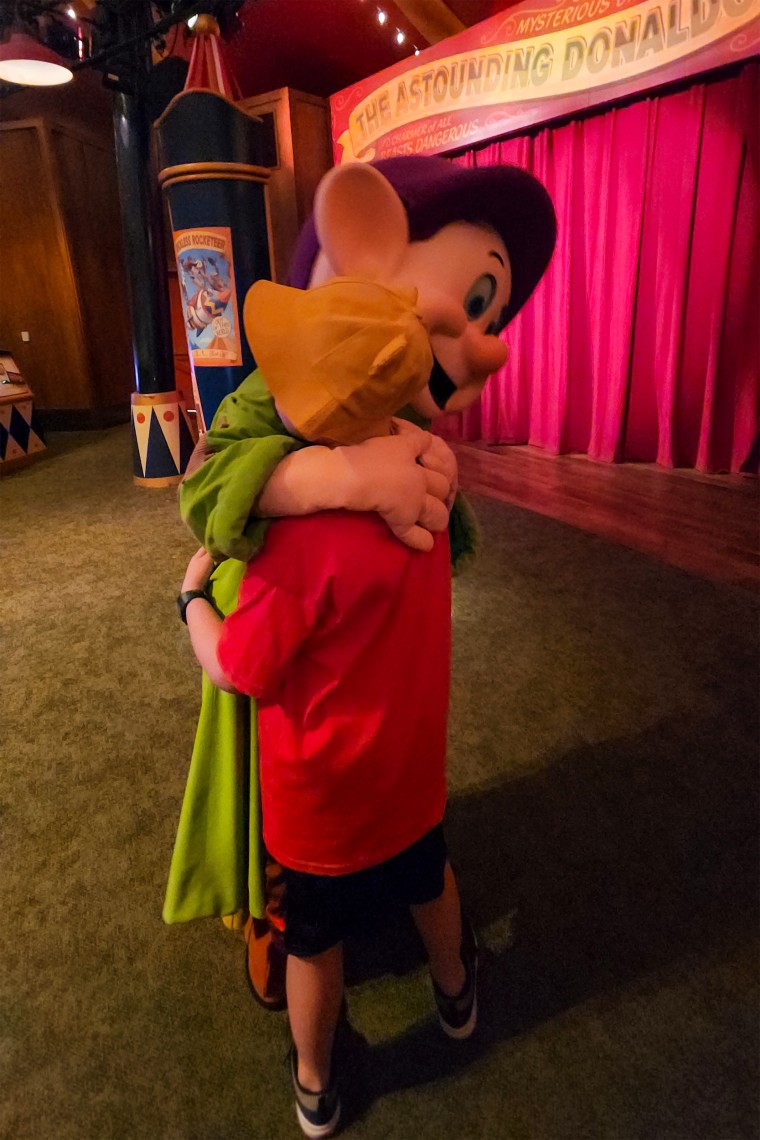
534	62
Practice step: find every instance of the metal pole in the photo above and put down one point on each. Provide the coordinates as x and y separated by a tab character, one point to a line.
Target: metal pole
145	258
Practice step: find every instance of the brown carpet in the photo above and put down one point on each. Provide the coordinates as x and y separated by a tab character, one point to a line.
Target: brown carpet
604	745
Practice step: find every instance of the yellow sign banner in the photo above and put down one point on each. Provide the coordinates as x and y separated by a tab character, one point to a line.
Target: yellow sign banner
619	45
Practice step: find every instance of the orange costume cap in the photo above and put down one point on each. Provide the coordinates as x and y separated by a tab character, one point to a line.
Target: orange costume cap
339	359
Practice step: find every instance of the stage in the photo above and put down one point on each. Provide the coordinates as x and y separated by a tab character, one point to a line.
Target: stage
706	524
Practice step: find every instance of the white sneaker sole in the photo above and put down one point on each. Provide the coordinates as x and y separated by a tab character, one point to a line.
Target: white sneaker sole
468	1028
465	1030
317	1130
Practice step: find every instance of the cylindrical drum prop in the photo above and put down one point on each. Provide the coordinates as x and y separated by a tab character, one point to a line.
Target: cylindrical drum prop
162	438
214	179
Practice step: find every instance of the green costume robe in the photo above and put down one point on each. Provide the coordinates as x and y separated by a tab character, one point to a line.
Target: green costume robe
218	860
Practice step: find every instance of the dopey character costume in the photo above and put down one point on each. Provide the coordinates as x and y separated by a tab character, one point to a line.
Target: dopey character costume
430	342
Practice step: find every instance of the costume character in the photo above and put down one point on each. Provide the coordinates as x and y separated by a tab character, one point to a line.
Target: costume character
258	468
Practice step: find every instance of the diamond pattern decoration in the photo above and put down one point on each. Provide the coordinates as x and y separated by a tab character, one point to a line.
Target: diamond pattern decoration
20	435
20	427
162	436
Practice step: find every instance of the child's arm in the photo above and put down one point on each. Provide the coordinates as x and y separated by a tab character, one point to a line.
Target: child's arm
384	475
242	448
228	500
203	622
250	650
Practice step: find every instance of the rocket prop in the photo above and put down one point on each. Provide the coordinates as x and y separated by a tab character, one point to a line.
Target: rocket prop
213	174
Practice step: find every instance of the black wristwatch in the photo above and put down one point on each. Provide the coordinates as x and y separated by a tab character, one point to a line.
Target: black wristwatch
183	601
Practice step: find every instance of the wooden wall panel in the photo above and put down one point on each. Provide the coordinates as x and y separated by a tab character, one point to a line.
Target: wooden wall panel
88	192
38	293
312	147
67	253
84	103
282	211
304	153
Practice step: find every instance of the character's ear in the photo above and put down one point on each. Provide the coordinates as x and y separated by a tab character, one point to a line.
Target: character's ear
361	222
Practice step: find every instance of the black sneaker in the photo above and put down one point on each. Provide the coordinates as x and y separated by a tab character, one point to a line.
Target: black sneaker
318	1113
458	1015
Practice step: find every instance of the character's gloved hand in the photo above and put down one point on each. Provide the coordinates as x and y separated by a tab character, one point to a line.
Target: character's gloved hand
381	475
389	475
437	456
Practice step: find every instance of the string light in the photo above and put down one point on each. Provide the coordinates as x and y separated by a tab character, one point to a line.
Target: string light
382	18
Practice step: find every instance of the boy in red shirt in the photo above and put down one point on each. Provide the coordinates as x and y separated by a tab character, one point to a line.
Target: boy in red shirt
343	635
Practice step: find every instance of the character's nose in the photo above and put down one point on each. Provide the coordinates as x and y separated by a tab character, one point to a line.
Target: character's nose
485	353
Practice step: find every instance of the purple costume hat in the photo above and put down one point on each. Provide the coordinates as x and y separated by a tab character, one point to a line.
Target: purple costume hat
435	192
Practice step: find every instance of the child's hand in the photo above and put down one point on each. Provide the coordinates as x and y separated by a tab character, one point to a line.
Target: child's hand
199	570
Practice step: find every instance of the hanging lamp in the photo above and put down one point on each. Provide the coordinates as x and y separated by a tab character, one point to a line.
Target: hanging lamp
26	61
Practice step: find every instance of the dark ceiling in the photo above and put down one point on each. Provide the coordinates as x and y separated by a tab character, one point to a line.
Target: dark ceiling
321	46
316	46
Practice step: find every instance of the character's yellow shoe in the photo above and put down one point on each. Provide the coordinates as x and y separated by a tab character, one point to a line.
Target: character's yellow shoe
235	921
265	960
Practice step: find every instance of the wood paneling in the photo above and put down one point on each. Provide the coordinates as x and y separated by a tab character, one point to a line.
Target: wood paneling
706	524
60	243
89	201
312	147
84	103
38	294
304	153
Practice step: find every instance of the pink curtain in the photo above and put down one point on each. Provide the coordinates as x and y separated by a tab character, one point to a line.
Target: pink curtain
642	342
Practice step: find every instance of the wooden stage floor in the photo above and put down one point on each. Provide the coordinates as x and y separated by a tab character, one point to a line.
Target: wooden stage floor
706	524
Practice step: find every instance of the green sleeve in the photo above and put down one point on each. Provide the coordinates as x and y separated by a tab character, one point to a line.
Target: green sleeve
464	534
464	531
247	440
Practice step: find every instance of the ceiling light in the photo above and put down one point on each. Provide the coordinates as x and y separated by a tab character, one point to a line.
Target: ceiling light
24	60
381	16
70	12
400	37
416	51
192	21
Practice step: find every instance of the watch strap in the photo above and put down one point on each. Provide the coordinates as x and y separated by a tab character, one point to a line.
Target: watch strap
184	599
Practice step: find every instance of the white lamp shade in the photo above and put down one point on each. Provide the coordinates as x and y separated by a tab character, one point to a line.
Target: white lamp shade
24	60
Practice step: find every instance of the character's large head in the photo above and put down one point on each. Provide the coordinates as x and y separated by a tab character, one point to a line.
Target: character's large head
473	242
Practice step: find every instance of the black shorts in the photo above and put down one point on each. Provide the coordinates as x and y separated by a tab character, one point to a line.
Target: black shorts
322	910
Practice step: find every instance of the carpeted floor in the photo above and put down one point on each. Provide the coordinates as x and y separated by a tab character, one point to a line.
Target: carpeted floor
603	817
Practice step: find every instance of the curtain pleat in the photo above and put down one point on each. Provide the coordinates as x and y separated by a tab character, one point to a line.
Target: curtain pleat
642	342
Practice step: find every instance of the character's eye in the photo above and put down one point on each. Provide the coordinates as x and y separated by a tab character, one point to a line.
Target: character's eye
480	296
499	324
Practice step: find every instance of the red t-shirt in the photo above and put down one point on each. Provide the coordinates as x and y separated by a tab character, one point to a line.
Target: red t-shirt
344	635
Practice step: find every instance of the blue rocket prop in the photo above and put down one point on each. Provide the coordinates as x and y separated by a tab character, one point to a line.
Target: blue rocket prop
213	172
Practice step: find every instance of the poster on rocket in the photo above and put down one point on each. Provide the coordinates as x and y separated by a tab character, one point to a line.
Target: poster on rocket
206	273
